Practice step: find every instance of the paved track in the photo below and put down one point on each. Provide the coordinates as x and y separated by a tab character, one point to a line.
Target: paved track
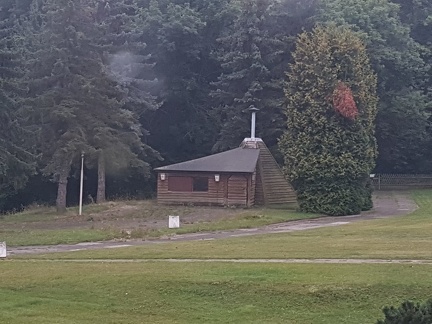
297	261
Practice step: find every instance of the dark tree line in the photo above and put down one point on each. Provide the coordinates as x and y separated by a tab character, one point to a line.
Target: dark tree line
133	82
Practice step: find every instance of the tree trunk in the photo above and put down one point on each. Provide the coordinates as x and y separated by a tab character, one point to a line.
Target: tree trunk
62	189
100	198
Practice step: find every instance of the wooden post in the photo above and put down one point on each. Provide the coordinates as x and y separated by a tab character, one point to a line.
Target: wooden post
379	181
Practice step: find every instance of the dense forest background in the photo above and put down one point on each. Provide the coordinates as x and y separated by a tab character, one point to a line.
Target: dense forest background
134	84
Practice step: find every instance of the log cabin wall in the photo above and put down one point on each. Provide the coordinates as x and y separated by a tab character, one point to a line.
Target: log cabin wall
231	189
237	190
259	189
252	189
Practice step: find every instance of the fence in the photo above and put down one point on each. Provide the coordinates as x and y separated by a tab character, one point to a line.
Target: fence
401	181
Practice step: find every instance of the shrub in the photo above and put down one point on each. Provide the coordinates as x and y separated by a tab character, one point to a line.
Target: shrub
408	313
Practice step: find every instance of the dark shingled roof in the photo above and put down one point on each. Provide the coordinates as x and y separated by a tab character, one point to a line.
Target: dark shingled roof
236	160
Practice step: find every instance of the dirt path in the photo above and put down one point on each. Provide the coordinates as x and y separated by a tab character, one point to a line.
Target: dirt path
291	261
387	204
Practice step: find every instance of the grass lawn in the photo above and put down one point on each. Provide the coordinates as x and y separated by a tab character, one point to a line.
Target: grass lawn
154	292
26	237
54	290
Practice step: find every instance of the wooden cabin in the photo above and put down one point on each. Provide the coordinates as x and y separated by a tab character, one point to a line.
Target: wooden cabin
245	176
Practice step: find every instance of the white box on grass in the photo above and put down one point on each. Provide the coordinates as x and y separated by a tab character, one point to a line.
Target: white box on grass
3	250
174	221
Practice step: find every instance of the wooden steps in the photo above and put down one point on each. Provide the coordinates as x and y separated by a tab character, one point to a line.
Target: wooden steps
276	190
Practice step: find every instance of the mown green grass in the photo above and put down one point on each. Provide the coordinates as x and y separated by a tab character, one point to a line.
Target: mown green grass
62	291
163	292
26	237
42	226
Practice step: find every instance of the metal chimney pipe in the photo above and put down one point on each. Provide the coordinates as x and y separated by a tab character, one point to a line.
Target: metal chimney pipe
253	124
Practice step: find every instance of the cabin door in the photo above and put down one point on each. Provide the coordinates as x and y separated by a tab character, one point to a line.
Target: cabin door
237	190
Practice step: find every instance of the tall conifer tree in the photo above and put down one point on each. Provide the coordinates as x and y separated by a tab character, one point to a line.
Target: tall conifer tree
180	36
16	161
118	140
246	54
61	64
329	146
254	52
79	106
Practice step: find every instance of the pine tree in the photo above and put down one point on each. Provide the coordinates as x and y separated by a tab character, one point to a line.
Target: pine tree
119	143
76	104
180	36
247	81
329	146
86	96
17	163
113	135
254	52
60	62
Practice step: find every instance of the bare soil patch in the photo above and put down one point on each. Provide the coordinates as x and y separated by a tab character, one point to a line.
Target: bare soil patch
120	215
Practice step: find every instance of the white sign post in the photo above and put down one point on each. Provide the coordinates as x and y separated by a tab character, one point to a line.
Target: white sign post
3	250
173	221
81	185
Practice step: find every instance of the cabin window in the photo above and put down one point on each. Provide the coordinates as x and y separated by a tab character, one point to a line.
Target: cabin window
188	184
180	183
200	184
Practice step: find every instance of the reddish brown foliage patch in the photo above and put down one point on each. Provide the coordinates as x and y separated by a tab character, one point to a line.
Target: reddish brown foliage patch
343	101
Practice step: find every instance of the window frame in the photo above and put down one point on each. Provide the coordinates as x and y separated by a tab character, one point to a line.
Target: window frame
200	184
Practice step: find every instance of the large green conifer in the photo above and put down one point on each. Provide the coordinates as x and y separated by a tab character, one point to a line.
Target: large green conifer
61	64
78	103
16	161
117	134
180	36
329	146
249	56
254	52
